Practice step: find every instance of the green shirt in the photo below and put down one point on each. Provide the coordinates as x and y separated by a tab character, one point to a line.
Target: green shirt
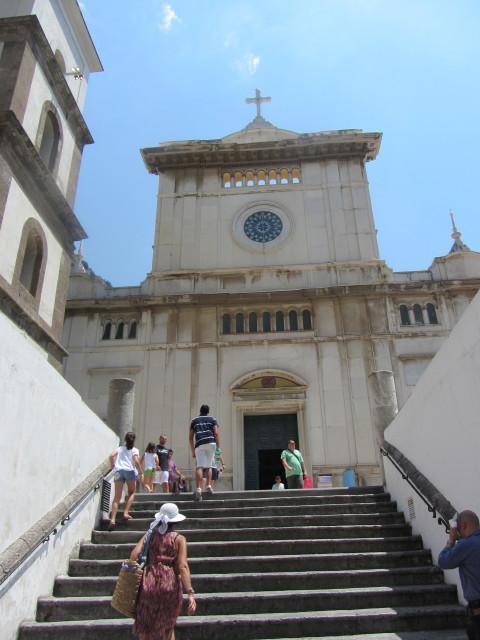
217	463
293	459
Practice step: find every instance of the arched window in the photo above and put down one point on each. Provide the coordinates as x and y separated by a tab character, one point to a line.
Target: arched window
272	176
252	323
238	179
250	179
261	178
132	330
307	320
107	331
227	180
404	315
49	145
279	321
284	176
239	323
32	263
296	176
226	324
293	320
266	322
432	314
119	331
417	314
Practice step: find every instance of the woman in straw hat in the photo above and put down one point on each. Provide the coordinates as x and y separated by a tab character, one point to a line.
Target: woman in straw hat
160	595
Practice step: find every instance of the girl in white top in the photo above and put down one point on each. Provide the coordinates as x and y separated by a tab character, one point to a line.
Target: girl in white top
125	462
150	465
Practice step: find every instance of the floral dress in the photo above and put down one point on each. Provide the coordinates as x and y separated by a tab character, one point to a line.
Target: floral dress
160	595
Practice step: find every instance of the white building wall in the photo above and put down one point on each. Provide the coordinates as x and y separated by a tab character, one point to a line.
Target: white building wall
55	440
438	430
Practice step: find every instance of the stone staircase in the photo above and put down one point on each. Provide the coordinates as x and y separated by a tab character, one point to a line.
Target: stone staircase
331	563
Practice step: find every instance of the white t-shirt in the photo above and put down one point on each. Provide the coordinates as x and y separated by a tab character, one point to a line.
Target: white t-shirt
149	460
278	487
124	459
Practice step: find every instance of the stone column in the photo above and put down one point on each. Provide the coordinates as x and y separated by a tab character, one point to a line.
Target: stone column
120	406
384	400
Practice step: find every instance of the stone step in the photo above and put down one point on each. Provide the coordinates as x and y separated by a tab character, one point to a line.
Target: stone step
242	564
208	583
202	510
272	625
275	499
266	533
234	548
262	493
449	634
226	522
54	609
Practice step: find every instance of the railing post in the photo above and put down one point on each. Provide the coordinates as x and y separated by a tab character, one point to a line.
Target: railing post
120	406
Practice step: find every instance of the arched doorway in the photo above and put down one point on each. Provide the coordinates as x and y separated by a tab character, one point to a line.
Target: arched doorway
268	410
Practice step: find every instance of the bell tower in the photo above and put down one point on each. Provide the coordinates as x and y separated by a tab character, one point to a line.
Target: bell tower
261	200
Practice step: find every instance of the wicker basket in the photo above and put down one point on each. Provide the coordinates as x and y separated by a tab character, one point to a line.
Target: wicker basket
124	597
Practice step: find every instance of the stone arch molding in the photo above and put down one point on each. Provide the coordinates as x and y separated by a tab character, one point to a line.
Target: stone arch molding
283	380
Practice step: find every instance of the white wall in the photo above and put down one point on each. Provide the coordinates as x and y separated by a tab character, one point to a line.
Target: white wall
438	429
52	440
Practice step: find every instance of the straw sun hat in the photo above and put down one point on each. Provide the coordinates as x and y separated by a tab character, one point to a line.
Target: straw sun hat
168	513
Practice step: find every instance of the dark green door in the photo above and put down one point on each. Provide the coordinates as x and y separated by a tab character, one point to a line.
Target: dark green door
265	437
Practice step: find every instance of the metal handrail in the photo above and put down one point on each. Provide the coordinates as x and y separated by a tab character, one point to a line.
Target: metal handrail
431	508
20	550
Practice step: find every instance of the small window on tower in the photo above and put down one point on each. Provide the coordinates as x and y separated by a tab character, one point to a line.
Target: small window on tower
284	176
272	176
226	325
119	331
239	323
293	320
307	320
266	322
432	314
417	314
296	176
132	330
261	178
404	315
107	331
279	321
227	180
238	179
252	323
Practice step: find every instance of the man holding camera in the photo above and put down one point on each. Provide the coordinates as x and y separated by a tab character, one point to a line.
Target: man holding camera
463	552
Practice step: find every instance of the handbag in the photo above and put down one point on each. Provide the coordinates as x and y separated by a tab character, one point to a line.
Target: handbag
124	597
308	482
125	594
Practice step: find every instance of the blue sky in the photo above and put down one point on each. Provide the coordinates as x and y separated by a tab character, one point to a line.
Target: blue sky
182	70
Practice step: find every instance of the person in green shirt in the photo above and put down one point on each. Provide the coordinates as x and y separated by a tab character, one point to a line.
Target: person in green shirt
294	466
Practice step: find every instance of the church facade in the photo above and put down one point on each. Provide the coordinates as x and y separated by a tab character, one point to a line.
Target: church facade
267	300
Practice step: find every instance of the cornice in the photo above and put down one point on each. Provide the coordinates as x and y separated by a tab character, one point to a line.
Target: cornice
28	28
35	179
211	153
148	302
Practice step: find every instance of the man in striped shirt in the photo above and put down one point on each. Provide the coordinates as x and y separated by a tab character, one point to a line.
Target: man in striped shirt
204	438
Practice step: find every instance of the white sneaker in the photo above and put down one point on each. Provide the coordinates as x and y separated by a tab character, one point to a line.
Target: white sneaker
197	495
209	489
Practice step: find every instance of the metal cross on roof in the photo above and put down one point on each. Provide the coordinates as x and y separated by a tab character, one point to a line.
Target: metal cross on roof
258	100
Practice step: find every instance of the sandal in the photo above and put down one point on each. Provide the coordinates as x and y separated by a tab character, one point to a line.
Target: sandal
111	526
